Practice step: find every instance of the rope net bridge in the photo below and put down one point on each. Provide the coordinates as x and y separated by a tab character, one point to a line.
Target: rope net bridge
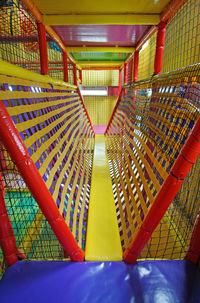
150	125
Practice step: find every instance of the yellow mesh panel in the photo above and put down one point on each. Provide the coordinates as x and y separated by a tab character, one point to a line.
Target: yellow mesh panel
183	37
100	108
146	58
100	77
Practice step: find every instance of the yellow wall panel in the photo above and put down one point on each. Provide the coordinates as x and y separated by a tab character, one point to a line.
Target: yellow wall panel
100	108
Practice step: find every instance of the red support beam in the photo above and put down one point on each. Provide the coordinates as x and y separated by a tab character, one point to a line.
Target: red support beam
81	75
75	74
7	238
171	10
19	154
43	49
125	73
120	81
160	41
193	253
65	67
136	63
167	193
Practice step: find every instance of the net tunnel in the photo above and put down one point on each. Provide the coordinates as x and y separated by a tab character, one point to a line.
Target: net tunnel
99	152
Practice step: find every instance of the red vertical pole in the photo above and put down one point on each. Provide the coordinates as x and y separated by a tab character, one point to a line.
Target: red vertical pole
65	67
125	73
179	171
160	41
7	237
193	253
81	75
120	81
135	69
44	70
18	152
75	73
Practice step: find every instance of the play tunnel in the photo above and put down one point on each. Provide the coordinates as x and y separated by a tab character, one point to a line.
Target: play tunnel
100	197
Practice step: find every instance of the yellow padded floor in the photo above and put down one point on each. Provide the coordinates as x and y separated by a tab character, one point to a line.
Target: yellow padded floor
103	240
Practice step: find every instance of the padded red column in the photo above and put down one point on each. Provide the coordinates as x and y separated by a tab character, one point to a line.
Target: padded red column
135	69
120	81
65	67
81	75
160	41
75	74
7	237
125	74
44	70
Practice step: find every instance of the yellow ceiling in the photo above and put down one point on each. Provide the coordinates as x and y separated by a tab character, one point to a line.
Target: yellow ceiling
63	7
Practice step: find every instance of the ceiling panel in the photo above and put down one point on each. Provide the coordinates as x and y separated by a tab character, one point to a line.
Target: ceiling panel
100	35
103	6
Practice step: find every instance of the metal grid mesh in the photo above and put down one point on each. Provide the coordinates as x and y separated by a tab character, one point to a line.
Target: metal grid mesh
56	131
100	78
19	38
55	59
146	58
100	108
182	40
147	132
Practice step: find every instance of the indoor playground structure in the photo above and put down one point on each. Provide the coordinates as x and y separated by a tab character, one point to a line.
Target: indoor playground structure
100	151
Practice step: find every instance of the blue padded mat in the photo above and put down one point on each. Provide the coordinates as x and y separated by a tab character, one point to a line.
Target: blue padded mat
62	282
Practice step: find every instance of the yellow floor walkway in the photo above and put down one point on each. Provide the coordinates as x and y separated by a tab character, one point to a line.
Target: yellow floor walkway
103	241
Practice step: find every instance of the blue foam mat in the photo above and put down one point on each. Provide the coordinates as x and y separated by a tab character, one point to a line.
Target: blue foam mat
62	282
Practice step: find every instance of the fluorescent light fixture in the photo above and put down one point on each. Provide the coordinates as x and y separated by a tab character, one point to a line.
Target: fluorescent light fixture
94	92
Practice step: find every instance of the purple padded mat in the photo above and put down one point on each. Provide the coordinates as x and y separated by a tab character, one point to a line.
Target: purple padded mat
62	282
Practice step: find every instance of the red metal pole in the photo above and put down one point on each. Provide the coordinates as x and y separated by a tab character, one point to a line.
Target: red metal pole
18	152
85	108
120	81
7	238
81	75
159	48
114	110
136	63
65	67
179	171
43	49
125	74
193	253
75	74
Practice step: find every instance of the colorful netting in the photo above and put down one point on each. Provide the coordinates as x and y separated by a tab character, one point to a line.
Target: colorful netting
182	40
148	130
18	36
55	129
